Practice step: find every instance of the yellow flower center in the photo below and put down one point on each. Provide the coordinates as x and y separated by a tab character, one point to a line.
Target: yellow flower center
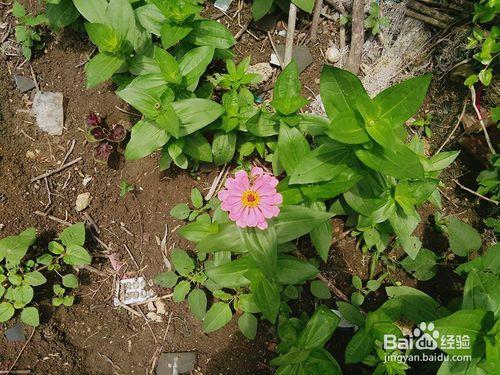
250	198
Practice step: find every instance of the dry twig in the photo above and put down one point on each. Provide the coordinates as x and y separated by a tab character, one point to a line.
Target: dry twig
292	19
57	170
476	193
454	129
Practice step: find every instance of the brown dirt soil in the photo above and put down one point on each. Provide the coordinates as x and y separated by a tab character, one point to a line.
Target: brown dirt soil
94	337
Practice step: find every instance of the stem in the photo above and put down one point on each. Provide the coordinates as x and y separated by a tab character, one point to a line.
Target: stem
481	121
315	20
292	18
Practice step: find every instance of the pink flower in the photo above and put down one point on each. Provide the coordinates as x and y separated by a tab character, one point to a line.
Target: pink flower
250	201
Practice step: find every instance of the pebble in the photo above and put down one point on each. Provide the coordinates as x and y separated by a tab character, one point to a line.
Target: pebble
264	69
332	54
48	110
82	201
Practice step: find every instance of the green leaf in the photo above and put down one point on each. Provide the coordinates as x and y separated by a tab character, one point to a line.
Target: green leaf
322	235
340	91
182	262
150	17
416	305
231	274
198	148
351	313
193	64
22	295
166	279
145	138
210	33
172	32
247	323
68	301
463	238
217	317
197	301
359	347
306	5
18	10
262	245
295	221
196	198
35	278
103	36
347	127
266	295
287	97
120	16
199	230
6	311
318	329
180	211
30	316
227	239
70	281
181	290
473	323
320	290
260	8
423	267
322	164
62	14
292	146
168	65
482	291
401	101
195	114
77	256
14	248
293	271
93	10
101	67
73	235
223	147
55	247
246	303
400	162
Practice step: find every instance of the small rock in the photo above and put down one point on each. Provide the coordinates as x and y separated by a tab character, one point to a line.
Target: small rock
48	110
161	308
333	54
154	317
15	334
24	84
151	306
30	154
86	180
185	362
82	201
264	69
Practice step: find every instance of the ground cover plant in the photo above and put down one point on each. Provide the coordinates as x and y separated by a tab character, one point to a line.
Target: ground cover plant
328	239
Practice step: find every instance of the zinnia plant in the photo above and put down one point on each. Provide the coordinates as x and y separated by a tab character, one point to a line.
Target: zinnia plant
250	200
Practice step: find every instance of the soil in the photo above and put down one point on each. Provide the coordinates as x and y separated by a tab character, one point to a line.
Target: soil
94	337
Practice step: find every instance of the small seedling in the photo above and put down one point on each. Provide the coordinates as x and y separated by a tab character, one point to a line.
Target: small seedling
182	211
375	21
26	32
425	123
126	187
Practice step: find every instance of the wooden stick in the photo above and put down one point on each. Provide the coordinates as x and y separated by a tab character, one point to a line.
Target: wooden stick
357	36
426	19
315	20
270	37
454	129
53	218
243	29
21	352
57	170
476	193
430	12
131	256
292	19
481	121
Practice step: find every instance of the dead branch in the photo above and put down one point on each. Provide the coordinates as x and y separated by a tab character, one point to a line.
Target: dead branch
425	19
57	170
292	19
357	36
430	12
315	20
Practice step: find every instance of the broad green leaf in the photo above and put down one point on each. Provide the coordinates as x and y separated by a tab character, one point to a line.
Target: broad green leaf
351	313
401	162
246	303
195	114
287	84
182	262
198	231
260	8
263	124
295	221
70	281
223	147
210	33
181	290
482	291
101	67
180	211
150	17
306	5
227	239
416	305
262	246
172	32
145	138
322	164
77	256
14	248
193	64
472	323
293	271
401	101
197	301
359	347
197	147
231	274
22	295
423	267
318	329
73	235
382	133
320	290
120	16
30	316
292	146
340	91
414	193
404	224
247	323
328	190
93	10
168	66
166	279
145	93
62	14
34	278
347	127
322	235
103	36
463	238
196	198
217	317
6	311
266	295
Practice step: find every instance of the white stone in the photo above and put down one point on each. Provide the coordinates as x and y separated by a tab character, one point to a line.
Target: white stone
333	54
82	201
48	110
264	69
